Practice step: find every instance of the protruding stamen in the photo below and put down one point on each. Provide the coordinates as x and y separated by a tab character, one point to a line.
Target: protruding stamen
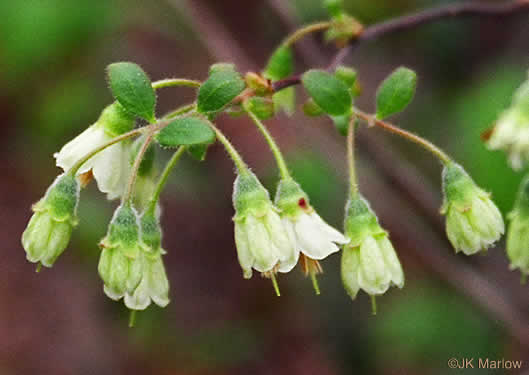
39	267
275	284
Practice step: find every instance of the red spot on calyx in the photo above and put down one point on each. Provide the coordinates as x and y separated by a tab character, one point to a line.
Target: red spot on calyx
302	203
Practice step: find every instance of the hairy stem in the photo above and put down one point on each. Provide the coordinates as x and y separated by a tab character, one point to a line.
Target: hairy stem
180	111
283	169
234	154
372	120
164	177
170	82
353	184
304	31
137	162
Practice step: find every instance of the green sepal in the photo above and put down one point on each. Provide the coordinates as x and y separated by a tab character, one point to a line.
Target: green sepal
360	221
116	120
249	195
223	85
280	65
151	231
124	232
291	199
61	199
458	187
132	88
396	92
331	94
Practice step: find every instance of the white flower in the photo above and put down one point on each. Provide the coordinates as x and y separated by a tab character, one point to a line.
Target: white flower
153	286
473	222
262	241
307	231
511	134
111	166
369	261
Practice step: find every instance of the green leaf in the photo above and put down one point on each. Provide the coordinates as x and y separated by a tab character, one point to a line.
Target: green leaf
346	75
280	64
222	86
331	94
132	88
185	131
334	7
198	152
396	92
285	100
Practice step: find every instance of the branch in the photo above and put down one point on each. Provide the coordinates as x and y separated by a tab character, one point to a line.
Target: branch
412	21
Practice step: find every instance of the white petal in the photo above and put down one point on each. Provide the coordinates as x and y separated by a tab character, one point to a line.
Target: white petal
246	259
373	277
140	299
350	270
333	234
288	264
80	146
313	238
392	261
265	254
110	167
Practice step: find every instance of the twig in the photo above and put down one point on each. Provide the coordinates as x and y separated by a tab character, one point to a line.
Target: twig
412	21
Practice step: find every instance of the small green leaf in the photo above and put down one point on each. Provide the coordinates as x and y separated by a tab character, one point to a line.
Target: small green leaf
222	86
263	108
285	100
342	123
132	88
334	7
311	109
185	131
331	94
346	75
280	65
396	92
198	152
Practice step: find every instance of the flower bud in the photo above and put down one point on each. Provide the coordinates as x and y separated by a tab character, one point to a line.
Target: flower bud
154	285
369	261
120	265
518	232
50	227
306	230
109	167
473	222
261	240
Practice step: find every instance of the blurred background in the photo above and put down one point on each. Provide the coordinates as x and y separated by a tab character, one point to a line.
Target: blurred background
53	55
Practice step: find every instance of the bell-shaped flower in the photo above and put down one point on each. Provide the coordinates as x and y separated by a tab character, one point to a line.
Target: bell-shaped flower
110	167
369	261
50	227
518	232
511	132
154	285
261	239
307	231
121	264
473	222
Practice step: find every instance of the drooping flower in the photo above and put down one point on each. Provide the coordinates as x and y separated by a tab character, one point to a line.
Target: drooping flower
261	239
511	132
109	167
154	285
50	227
307	231
121	264
518	232
369	261
473	222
